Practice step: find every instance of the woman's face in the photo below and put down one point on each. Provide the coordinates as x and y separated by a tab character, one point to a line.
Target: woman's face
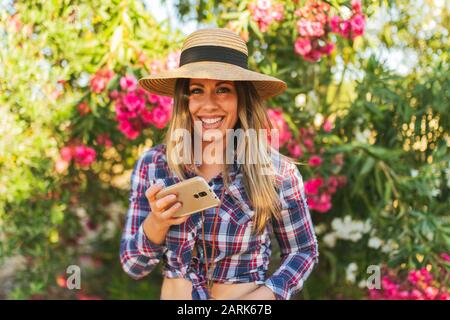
214	104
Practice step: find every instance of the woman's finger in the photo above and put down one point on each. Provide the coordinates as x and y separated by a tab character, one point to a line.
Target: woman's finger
164	202
168	214
151	192
180	220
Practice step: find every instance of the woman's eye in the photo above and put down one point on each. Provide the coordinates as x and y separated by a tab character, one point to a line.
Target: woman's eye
224	89
194	91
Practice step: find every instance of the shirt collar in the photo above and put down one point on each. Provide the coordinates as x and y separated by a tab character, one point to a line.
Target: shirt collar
234	168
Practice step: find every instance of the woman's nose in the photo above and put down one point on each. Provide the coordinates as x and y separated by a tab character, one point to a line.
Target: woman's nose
209	100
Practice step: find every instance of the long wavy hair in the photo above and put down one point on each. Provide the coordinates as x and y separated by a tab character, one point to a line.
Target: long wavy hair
260	188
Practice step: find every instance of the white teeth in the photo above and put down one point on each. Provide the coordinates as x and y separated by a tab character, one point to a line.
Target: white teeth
211	120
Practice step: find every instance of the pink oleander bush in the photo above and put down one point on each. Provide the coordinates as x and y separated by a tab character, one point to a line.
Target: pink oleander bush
419	284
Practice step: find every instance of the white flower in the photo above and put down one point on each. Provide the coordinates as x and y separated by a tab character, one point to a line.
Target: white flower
345	12
363	136
414	173
350	272
435	192
348	229
362	284
355	237
81	212
375	243
318	120
321	228
330	239
367	226
300	100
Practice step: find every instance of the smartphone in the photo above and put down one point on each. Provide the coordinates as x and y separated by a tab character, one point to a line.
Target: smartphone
195	194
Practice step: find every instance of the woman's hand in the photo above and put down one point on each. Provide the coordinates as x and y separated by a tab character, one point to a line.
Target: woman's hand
161	218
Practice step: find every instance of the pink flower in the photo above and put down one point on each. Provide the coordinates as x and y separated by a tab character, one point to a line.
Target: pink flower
134	103
295	149
445	256
426	275
61	165
315	161
431	293
264	13
66	153
414	276
309	28
83	108
327	49
159	117
416	295
152	98
324	203
100	80
357	25
278	12
302	46
313	56
278	123
103	139
128	130
312	186
326	126
335	24
166	103
342	27
308	143
332	184
84	155
128	83
114	94
320	203
356	6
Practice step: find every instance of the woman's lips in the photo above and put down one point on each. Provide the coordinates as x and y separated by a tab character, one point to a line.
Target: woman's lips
211	122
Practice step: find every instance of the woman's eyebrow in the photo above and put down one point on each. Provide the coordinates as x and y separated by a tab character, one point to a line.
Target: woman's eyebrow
223	82
217	84
196	84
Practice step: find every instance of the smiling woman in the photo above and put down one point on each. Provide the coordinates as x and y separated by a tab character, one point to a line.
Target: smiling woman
222	252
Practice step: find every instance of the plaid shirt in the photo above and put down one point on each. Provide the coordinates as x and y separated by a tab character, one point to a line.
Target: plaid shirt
241	256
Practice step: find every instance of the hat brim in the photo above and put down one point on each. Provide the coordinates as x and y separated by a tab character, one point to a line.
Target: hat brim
163	83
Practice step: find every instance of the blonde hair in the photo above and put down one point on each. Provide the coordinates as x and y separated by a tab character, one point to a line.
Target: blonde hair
260	188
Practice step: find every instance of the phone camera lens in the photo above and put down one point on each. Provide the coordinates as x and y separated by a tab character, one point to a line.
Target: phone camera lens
202	194
196	196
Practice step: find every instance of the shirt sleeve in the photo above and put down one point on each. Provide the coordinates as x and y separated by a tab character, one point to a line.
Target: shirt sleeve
295	235
138	255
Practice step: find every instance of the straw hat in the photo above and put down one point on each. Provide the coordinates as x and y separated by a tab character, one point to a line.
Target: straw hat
213	53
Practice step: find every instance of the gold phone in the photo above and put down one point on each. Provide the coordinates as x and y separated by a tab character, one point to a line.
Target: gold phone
195	194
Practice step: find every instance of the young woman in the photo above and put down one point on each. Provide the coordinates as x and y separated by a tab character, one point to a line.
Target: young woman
224	252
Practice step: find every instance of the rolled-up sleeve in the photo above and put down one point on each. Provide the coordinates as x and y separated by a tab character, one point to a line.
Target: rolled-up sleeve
138	255
295	234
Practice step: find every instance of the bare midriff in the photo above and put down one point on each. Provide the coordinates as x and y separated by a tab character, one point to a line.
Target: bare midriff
181	289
